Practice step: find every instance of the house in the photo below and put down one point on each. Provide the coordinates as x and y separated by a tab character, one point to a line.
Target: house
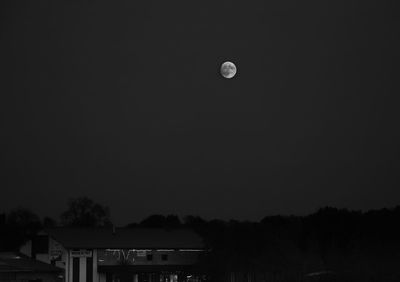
120	254
16	267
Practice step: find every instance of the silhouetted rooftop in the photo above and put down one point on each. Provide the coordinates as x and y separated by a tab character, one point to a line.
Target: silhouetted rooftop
16	262
139	238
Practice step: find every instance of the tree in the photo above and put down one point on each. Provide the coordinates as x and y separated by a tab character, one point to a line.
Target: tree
83	212
23	218
49	222
160	221
17	227
194	221
172	221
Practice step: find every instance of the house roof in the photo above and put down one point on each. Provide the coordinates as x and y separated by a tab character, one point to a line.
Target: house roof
16	262
135	238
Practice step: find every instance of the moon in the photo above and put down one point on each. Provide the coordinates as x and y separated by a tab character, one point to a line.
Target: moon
228	70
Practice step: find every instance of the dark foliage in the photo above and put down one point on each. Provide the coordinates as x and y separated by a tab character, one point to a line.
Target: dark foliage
160	221
17	227
329	244
49	222
84	212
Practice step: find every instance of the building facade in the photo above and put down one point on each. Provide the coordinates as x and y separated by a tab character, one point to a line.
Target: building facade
120	255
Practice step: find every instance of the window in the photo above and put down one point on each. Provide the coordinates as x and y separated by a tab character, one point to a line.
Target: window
164	257
149	257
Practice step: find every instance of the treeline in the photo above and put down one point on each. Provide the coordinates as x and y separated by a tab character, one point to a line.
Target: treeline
21	224
352	245
329	245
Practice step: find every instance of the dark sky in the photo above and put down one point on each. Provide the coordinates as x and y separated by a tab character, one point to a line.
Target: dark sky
122	101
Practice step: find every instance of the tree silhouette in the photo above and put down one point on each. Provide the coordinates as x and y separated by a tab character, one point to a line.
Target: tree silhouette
49	222
17	227
160	221
83	212
355	245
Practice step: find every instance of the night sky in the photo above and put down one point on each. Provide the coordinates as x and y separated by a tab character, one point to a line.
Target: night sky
122	101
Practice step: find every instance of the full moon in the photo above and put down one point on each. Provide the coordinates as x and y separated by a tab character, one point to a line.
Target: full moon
228	69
